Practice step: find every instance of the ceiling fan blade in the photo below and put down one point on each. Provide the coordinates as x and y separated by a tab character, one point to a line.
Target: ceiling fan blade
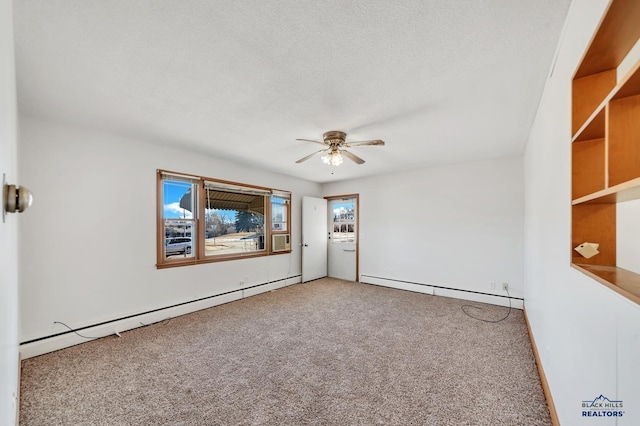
352	157
309	156
309	140
376	142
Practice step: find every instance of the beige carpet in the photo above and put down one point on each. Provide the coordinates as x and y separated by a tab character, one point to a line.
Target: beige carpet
328	352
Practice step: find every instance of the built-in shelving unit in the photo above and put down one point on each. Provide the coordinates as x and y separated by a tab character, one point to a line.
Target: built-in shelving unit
605	150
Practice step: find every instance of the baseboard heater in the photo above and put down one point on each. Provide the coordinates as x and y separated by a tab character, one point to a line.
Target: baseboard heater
434	290
45	344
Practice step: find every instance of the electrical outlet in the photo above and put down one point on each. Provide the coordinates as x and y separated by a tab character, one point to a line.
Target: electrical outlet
505	286
492	285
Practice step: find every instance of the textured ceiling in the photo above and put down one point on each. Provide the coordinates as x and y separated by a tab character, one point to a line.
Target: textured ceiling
441	81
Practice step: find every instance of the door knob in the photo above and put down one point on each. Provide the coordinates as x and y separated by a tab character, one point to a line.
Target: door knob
14	198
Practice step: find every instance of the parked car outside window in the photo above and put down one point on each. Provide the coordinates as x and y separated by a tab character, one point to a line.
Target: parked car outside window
177	245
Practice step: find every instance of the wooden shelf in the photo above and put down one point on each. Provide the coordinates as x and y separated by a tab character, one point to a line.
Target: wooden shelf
624	139
589	95
593	127
620	280
587	167
626	191
629	85
594	223
617	34
605	150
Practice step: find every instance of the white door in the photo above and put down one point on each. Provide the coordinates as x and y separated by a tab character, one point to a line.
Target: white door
343	241
314	238
9	362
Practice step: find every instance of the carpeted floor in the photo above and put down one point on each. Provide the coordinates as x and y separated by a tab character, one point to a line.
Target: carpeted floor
328	352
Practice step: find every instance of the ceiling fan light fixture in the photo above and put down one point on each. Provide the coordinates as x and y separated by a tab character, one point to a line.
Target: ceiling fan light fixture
334	158
334	145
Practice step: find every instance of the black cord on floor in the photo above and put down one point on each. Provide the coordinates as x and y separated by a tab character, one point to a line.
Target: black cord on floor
85	337
484	320
164	322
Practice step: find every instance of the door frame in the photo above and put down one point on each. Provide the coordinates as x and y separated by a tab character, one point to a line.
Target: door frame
357	197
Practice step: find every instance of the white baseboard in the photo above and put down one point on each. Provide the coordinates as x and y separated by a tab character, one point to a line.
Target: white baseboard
55	343
401	285
445	292
270	287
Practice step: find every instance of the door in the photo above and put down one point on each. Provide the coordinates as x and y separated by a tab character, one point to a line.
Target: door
314	238
9	362
343	240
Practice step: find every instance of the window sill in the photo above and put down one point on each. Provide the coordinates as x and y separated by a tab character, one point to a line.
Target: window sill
193	261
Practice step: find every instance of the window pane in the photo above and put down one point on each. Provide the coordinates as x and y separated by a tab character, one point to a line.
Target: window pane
344	223
279	213
234	222
178	201
178	239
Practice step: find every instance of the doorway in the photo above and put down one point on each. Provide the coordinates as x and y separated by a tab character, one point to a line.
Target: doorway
342	228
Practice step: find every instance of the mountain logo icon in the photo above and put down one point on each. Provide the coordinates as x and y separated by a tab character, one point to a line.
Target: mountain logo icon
598	401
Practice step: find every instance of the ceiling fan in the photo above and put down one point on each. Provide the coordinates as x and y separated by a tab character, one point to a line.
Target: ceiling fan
334	145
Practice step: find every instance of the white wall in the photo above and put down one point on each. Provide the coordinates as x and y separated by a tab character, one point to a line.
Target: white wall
459	226
88	249
628	235
587	335
9	363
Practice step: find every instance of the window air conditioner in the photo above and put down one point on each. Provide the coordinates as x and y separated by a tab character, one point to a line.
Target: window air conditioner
280	242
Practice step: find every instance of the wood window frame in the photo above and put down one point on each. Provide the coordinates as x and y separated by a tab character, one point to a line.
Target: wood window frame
198	250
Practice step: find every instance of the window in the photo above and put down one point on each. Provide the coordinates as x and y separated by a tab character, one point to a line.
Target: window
206	220
279	211
178	224
344	223
234	219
